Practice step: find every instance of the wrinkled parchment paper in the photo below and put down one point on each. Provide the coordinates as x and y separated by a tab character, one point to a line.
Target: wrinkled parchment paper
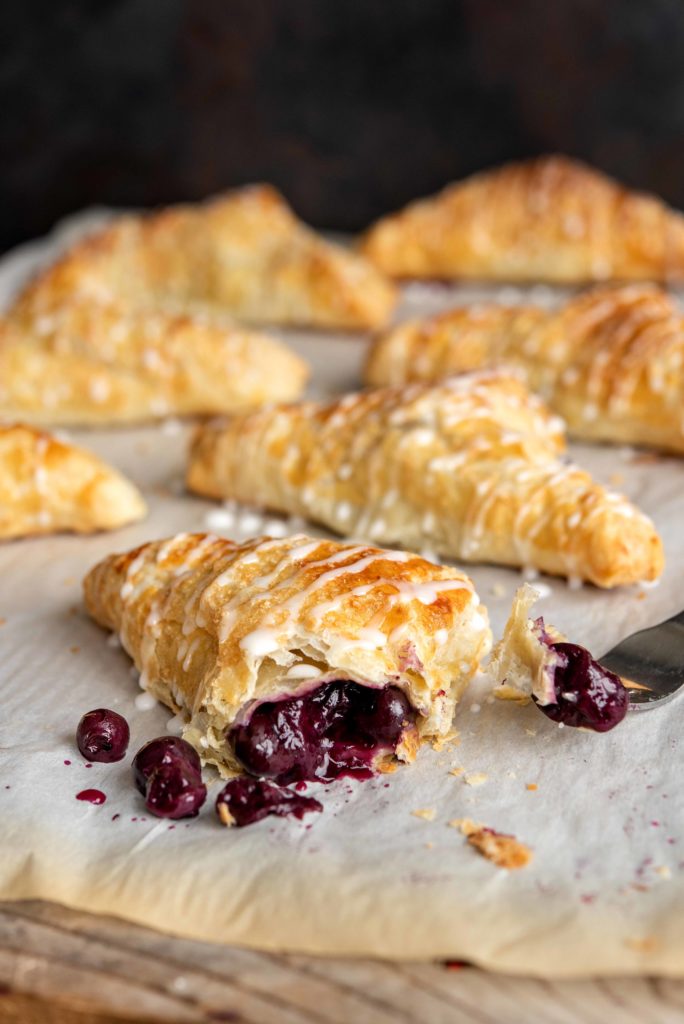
603	814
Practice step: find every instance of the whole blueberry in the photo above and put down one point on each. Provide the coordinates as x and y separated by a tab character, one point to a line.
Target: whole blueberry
103	735
165	750
174	790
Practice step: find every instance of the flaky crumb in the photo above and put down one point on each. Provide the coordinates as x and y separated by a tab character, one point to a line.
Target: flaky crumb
440	742
426	813
502	850
456	771
75	649
408	747
465	825
530	732
663	871
225	817
532	786
2	620
386	766
475	778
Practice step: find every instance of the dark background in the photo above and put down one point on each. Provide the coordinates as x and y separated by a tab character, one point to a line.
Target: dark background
351	107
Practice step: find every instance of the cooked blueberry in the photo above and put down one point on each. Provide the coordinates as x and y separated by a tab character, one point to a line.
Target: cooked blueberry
388	717
165	750
244	800
337	729
587	694
174	790
103	735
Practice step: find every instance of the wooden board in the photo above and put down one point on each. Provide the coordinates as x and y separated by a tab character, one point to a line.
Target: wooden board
58	966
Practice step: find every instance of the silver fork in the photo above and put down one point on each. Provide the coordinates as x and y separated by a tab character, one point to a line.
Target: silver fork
650	663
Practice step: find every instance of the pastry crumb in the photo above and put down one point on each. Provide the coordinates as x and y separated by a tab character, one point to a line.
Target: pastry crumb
663	871
225	817
440	742
645	944
497	590
502	850
465	825
475	778
75	649
386	766
429	846
426	813
532	786
2	620
456	771
616	479
511	775
530	732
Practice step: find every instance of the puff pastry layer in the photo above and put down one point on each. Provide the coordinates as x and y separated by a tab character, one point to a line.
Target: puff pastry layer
244	254
610	361
90	363
548	219
48	486
217	628
470	468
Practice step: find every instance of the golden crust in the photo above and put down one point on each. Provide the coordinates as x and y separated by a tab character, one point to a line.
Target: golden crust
88	364
468	468
610	361
47	486
214	626
549	219
244	254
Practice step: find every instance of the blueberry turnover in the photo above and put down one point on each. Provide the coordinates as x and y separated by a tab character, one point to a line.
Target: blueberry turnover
294	659
609	361
533	660
546	219
50	486
471	468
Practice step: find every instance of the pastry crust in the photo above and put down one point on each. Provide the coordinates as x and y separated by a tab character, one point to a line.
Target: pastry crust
469	468
242	254
47	486
522	665
610	361
216	627
92	363
548	219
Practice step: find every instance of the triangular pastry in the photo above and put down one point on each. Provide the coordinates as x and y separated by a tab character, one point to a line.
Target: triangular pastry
469	468
91	363
610	361
49	486
547	219
242	254
294	658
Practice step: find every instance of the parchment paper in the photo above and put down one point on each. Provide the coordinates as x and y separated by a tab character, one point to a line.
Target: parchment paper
605	890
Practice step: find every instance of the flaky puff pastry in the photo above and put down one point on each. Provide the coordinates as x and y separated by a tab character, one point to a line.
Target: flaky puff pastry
469	468
92	363
243	254
610	361
49	486
216	628
549	219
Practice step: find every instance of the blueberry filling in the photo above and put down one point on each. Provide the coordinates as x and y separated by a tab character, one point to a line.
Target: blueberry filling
587	694
337	729
103	735
168	773
245	800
